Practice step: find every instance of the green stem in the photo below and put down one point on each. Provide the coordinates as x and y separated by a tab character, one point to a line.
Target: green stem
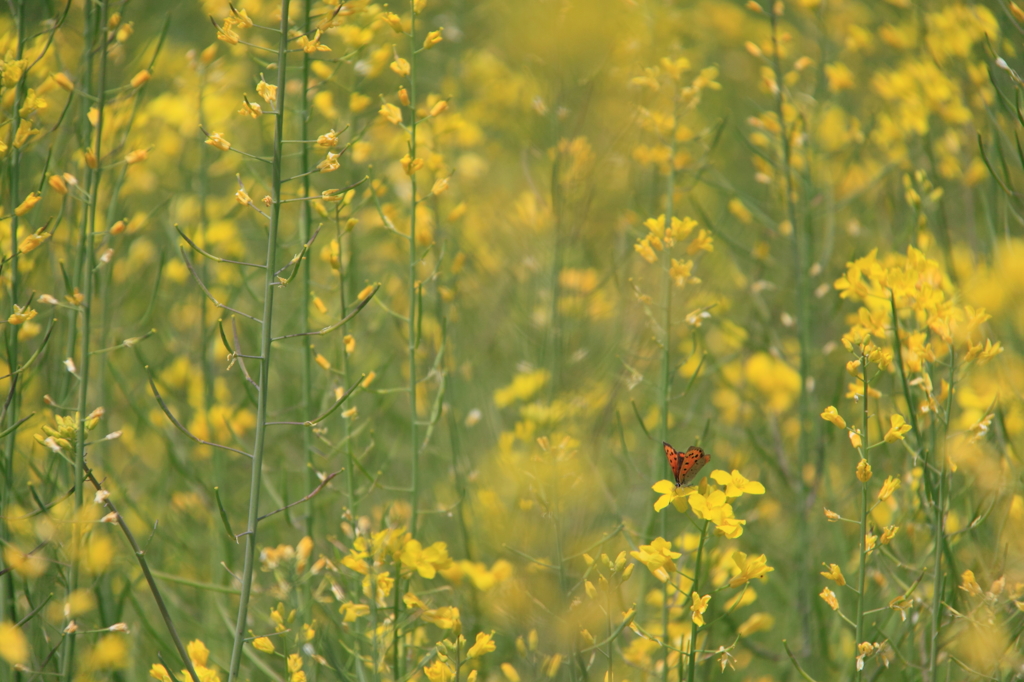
346	373
862	573
413	438
691	670
305	231
86	308
940	534
8	605
266	341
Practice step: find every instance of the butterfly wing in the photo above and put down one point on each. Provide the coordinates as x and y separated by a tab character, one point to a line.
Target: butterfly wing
675	461
690	464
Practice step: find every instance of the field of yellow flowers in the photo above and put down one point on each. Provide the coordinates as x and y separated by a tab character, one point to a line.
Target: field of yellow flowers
346	340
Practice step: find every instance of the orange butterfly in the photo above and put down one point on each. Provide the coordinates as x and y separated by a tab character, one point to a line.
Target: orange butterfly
685	465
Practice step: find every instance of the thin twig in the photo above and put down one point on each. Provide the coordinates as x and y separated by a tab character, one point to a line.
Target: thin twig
140	555
181	427
331	328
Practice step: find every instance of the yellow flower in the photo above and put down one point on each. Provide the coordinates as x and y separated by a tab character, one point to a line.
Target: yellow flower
702	242
392	20
439	671
863	471
831	515
158	672
898	428
749	568
31	200
351	611
433	38
217	140
830	598
698	605
33	241
888	533
58	184
670	494
310	46
834	573
21	315
510	673
401	67
330	163
266	91
424	561
712	507
263	644
445	617
226	34
658	557
831	414
888	488
736	484
440	186
251	109
484	645
328	139
758	622
13	644
839	77
392	113
969	584
680	272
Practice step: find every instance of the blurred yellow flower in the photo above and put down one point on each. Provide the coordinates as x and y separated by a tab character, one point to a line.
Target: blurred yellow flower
863	471
217	140
831	414
898	428
834	573
392	113
658	557
484	645
888	488
736	484
433	38
263	644
425	561
266	91
830	598
750	568
840	77
401	67
439	671
30	201
698	605
351	611
445	617
510	673
14	646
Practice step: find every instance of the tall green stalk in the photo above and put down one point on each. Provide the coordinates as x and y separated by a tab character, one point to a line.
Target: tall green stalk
266	341
8	607
413	436
350	480
940	538
88	274
691	669
305	220
862	572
